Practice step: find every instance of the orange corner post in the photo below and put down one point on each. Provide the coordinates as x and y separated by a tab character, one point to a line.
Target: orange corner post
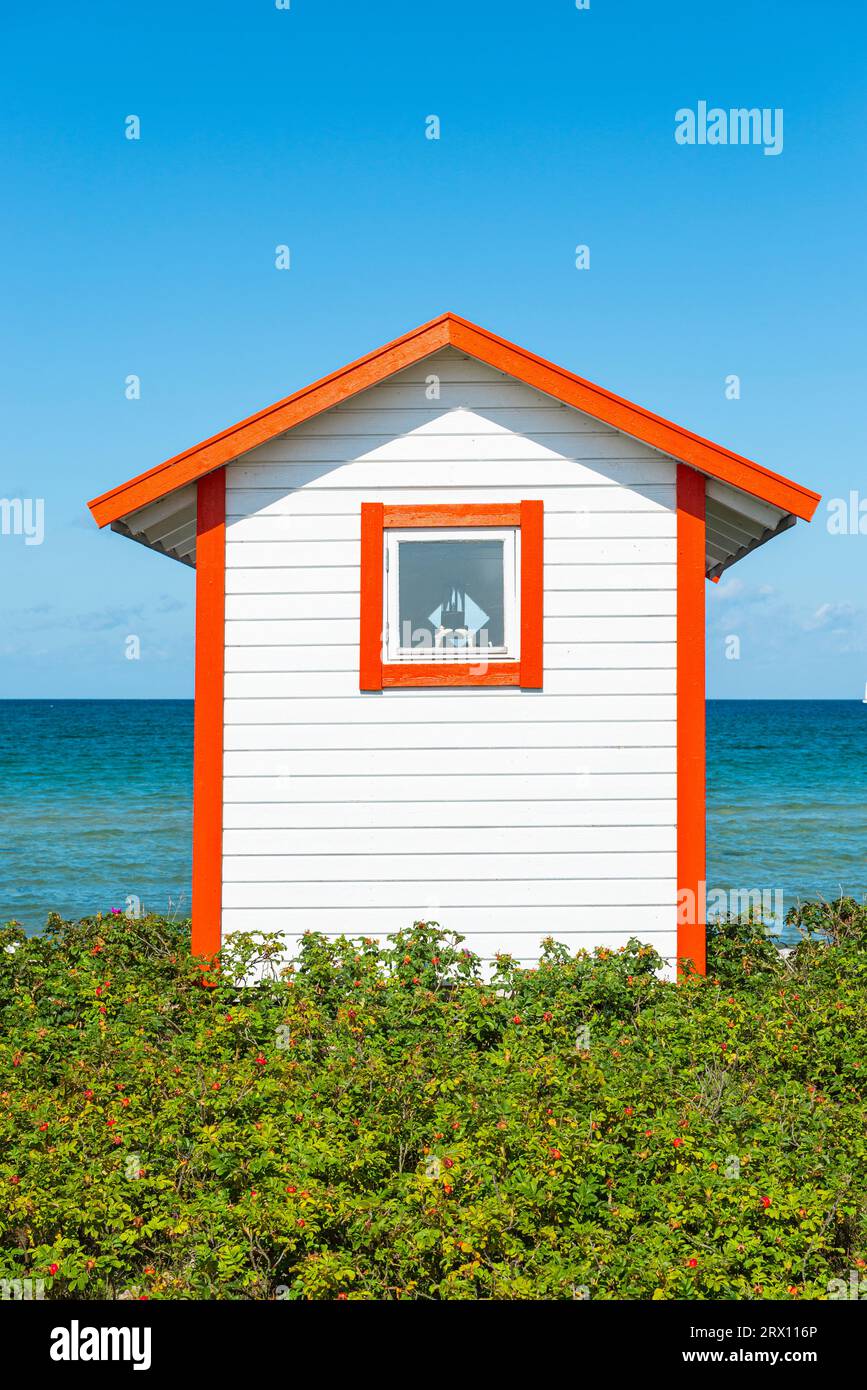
532	593
370	655
691	791
208	719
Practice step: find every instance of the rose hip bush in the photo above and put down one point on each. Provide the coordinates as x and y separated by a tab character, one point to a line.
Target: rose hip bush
382	1122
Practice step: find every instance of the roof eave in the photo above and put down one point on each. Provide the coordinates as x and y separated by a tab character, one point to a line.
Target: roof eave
449	330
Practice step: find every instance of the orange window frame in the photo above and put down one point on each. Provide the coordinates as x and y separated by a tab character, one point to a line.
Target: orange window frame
376	518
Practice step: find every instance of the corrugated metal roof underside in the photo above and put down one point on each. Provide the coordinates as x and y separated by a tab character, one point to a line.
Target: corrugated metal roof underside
168	526
736	524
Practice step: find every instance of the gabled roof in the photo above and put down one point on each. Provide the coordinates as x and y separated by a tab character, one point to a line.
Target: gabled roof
451	331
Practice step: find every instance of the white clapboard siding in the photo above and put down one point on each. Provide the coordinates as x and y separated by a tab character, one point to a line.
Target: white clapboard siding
620	894
312	608
558	578
532	474
453	738
555	810
637	842
608	496
492	816
241	685
346	554
558	657
486	929
637	786
534	420
421	448
577	527
429	709
336	632
489	390
416	868
433	764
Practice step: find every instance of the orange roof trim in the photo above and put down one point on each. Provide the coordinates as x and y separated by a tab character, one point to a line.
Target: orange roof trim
451	331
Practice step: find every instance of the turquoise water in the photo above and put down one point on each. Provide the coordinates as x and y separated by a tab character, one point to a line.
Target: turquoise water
97	802
96	806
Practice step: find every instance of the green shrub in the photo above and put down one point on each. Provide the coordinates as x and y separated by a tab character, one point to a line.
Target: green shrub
382	1122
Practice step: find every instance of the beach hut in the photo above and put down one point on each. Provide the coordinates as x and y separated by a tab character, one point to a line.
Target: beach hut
450	617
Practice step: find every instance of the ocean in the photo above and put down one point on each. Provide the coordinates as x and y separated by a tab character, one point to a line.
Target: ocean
97	803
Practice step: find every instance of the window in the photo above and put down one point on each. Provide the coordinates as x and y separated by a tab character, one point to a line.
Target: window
451	595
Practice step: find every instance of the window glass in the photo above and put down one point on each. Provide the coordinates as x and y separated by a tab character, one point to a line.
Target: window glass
451	593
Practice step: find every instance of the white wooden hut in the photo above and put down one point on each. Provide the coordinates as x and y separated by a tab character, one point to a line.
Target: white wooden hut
450	650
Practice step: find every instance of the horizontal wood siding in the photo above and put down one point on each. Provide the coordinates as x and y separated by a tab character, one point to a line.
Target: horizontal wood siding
507	815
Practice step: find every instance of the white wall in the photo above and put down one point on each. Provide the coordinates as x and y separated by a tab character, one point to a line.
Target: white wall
506	815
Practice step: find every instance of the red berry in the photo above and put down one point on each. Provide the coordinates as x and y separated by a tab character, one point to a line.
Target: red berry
693	1264
766	1201
677	1143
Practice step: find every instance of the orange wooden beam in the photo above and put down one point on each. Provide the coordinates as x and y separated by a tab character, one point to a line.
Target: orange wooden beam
442	673
532	594
370	632
691	792
208	718
454	514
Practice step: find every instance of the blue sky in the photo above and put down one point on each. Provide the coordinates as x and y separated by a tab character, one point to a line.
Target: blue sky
262	126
